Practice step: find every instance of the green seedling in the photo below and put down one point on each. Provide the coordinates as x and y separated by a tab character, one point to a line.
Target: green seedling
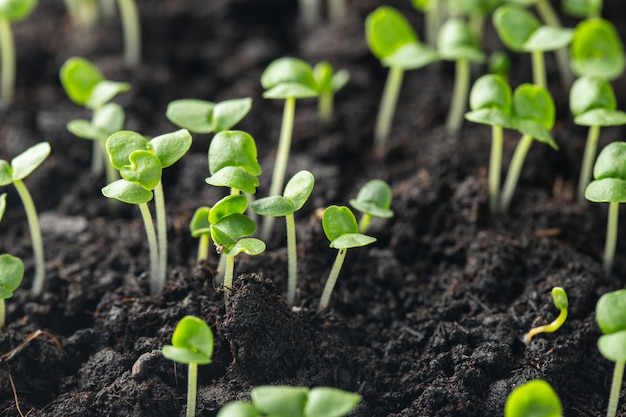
329	82
597	50
11	274
609	186
297	192
21	166
612	344
288	401
373	200
559	297
457	43
200	116
11	11
535	398
592	102
287	79
393	41
582	8
341	229
141	162
131	27
534	113
491	102
521	31
192	344
201	228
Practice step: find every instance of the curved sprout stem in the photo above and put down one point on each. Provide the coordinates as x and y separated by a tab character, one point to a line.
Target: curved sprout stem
153	246
229	271
515	169
7	55
548	15
548	328
495	167
292	260
459	96
611	236
332	279
539	69
616	384
132	31
588	158
388	105
364	222
2	313
203	247
192	385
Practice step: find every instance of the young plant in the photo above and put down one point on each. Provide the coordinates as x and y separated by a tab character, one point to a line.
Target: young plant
597	50
457	42
201	228
342	231
491	102
11	11
609	186
612	322
535	398
582	8
559	297
592	102
200	116
297	192
534	113
192	344
11	274
141	162
287	79
131	27
330	82
21	166
393	41
373	200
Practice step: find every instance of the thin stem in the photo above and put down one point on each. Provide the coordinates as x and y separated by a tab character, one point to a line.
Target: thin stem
35	236
539	69
7	54
203	247
309	13
192	386
229	271
336	10
477	24
364	222
132	31
97	157
515	169
332	279
616	384
159	202
221	266
325	107
152	246
459	96
292	260
495	168
388	105
611	236
432	22
547	328
588	158
2	313
548	15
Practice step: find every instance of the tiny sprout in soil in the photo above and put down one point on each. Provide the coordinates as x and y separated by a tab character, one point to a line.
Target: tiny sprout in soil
597	50
199	116
373	200
535	398
330	82
201	228
559	297
11	274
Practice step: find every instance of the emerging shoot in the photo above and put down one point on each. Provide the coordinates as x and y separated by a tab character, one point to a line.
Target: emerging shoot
201	228
330	82
373	200
199	116
536	398
11	274
559	297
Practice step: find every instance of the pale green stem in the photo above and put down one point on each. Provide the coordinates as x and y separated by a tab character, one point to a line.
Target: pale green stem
325	107
616	385
364	223
192	386
432	21
7	53
495	168
159	203
459	96
332	279
35	236
153	246
2	313
229	271
588	158
548	328
611	236
336	10
388	105
292	260
97	156
219	276
549	16
477	24
515	169
132	31
203	247
539	69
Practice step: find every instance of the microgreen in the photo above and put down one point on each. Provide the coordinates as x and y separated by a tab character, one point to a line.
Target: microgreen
329	82
393	41
597	50
200	116
297	192
592	102
535	398
21	166
192	344
201	228
341	229
559	297
11	274
609	186
612	322
582	8
141	162
11	11
373	200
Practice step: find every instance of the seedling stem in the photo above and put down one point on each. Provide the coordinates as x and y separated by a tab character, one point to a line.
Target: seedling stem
292	265
611	236
461	88
229	270
332	279
588	159
549	16
616	384
388	105
495	160
132	31
515	169
159	204
7	52
192	383
539	69
153	248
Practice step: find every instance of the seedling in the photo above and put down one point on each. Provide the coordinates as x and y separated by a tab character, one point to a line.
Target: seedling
342	231
373	200
456	42
11	11
609	186
536	398
534	113
597	50
200	116
131	27
491	103
559	297
612	322
11	274
201	228
582	8
592	102
21	166
330	82
141	162
192	344
287	79
393	41
297	192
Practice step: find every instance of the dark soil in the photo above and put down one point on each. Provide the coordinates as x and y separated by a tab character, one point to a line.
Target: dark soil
426	322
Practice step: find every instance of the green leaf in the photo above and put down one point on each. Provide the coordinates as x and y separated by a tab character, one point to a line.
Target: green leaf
3	204
234	177
340	79
299	188
249	246
17	10
534	103
492	117
85	130
387	30
337	221
230	112
581	8
606	190
548	38
537	131
144	169
170	147
11	274
289	77
104	92
235	226
233	148
601	117
323	73
127	192
533	399
589	93
6	173
411	56
613	346
79	77
330	402
26	162
109	119
352	240
184	355
194	115
559	297
514	25
611	312
200	224
274	206
493	92
238	409
121	144
611	162
374	198
597	50
228	205
456	40
280	401
192	342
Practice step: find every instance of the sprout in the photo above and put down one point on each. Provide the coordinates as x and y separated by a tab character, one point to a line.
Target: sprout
559	297
11	274
21	166
199	116
582	8
192	344
297	192
10	11
288	79
609	186
201	228
373	200
392	40
342	231
330	82
592	102
456	42
141	162
612	322
597	50
535	398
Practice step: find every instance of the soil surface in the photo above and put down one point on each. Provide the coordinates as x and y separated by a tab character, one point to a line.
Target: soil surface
428	321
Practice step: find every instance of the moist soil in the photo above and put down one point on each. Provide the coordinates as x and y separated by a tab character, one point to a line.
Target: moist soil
428	321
